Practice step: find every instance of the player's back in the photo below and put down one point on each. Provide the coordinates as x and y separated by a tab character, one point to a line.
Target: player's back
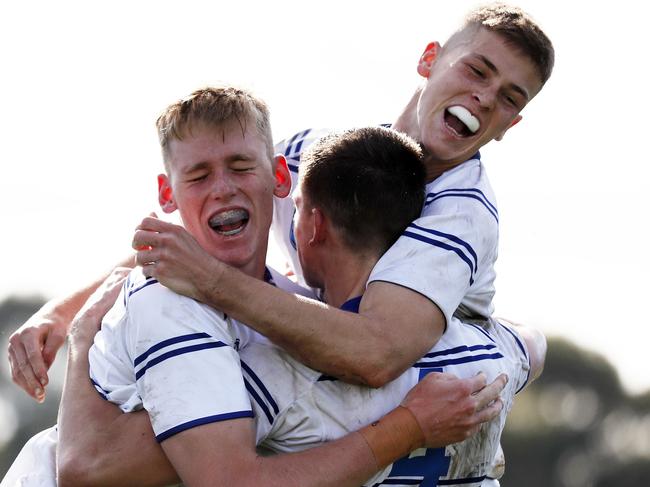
297	407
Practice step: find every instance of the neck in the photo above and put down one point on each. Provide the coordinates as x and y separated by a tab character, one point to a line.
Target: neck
407	123
346	275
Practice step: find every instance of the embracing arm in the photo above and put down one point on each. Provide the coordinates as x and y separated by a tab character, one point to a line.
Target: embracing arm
33	347
223	453
395	326
98	444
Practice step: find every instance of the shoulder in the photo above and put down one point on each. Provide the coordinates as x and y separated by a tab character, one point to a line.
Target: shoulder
466	186
293	146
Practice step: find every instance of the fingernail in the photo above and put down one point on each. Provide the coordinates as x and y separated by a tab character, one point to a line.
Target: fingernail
43	381
38	392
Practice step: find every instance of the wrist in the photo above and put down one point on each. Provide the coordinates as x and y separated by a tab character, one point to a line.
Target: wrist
394	436
208	286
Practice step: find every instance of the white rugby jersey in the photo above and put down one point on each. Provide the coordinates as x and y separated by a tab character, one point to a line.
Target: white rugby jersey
447	255
297	407
173	356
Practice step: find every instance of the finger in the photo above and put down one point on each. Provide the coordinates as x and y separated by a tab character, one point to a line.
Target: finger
155	225
144	257
490	412
53	343
23	375
145	239
36	361
477	383
491	392
149	270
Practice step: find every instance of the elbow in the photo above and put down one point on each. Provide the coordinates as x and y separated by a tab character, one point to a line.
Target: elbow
71	472
379	371
76	468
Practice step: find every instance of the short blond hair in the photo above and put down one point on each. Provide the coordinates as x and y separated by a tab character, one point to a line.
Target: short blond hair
213	107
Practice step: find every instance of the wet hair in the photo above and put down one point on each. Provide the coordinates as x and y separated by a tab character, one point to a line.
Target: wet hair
213	107
518	29
369	182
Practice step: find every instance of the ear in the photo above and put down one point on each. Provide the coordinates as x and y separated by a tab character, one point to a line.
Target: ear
319	226
165	197
282	177
512	124
427	59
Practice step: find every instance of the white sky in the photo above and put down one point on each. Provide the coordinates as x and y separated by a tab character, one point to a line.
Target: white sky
83	82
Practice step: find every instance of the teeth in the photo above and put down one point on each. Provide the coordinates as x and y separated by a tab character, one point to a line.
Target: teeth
463	114
230	218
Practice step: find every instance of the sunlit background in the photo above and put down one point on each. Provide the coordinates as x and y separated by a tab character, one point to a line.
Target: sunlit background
83	82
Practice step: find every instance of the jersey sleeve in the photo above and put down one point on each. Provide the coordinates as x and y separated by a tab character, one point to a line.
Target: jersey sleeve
448	253
514	347
187	371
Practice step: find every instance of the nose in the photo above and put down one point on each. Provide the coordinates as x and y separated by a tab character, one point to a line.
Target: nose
223	186
486	98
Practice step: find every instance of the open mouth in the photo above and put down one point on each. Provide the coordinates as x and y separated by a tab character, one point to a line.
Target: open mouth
461	121
230	222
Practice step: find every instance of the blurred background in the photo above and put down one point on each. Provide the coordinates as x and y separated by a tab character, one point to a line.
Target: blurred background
83	83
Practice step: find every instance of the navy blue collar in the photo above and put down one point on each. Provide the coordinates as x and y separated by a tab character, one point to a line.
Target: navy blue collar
352	305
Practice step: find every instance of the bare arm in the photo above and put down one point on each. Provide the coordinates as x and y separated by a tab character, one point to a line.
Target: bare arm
223	453
395	326
441	410
98	444
33	347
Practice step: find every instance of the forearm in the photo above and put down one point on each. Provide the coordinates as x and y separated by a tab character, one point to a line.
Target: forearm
62	310
98	444
358	348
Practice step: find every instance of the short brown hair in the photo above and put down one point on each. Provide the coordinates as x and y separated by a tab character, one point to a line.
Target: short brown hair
518	29
368	181
213	107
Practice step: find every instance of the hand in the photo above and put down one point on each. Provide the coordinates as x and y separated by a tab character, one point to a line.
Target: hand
88	321
171	255
450	410
32	349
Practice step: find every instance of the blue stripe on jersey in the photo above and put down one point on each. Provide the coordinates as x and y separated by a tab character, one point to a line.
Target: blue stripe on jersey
399	481
461	360
168	342
251	390
482	331
523	350
178	351
292	167
261	386
445	246
148	282
453	238
473	193
416	481
297	139
198	422
468	480
462	348
521	345
100	390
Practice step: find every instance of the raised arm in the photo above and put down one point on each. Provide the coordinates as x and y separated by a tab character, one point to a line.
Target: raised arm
98	444
395	325
33	347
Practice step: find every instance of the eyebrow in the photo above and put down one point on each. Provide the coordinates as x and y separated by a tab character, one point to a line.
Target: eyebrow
494	69
196	167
